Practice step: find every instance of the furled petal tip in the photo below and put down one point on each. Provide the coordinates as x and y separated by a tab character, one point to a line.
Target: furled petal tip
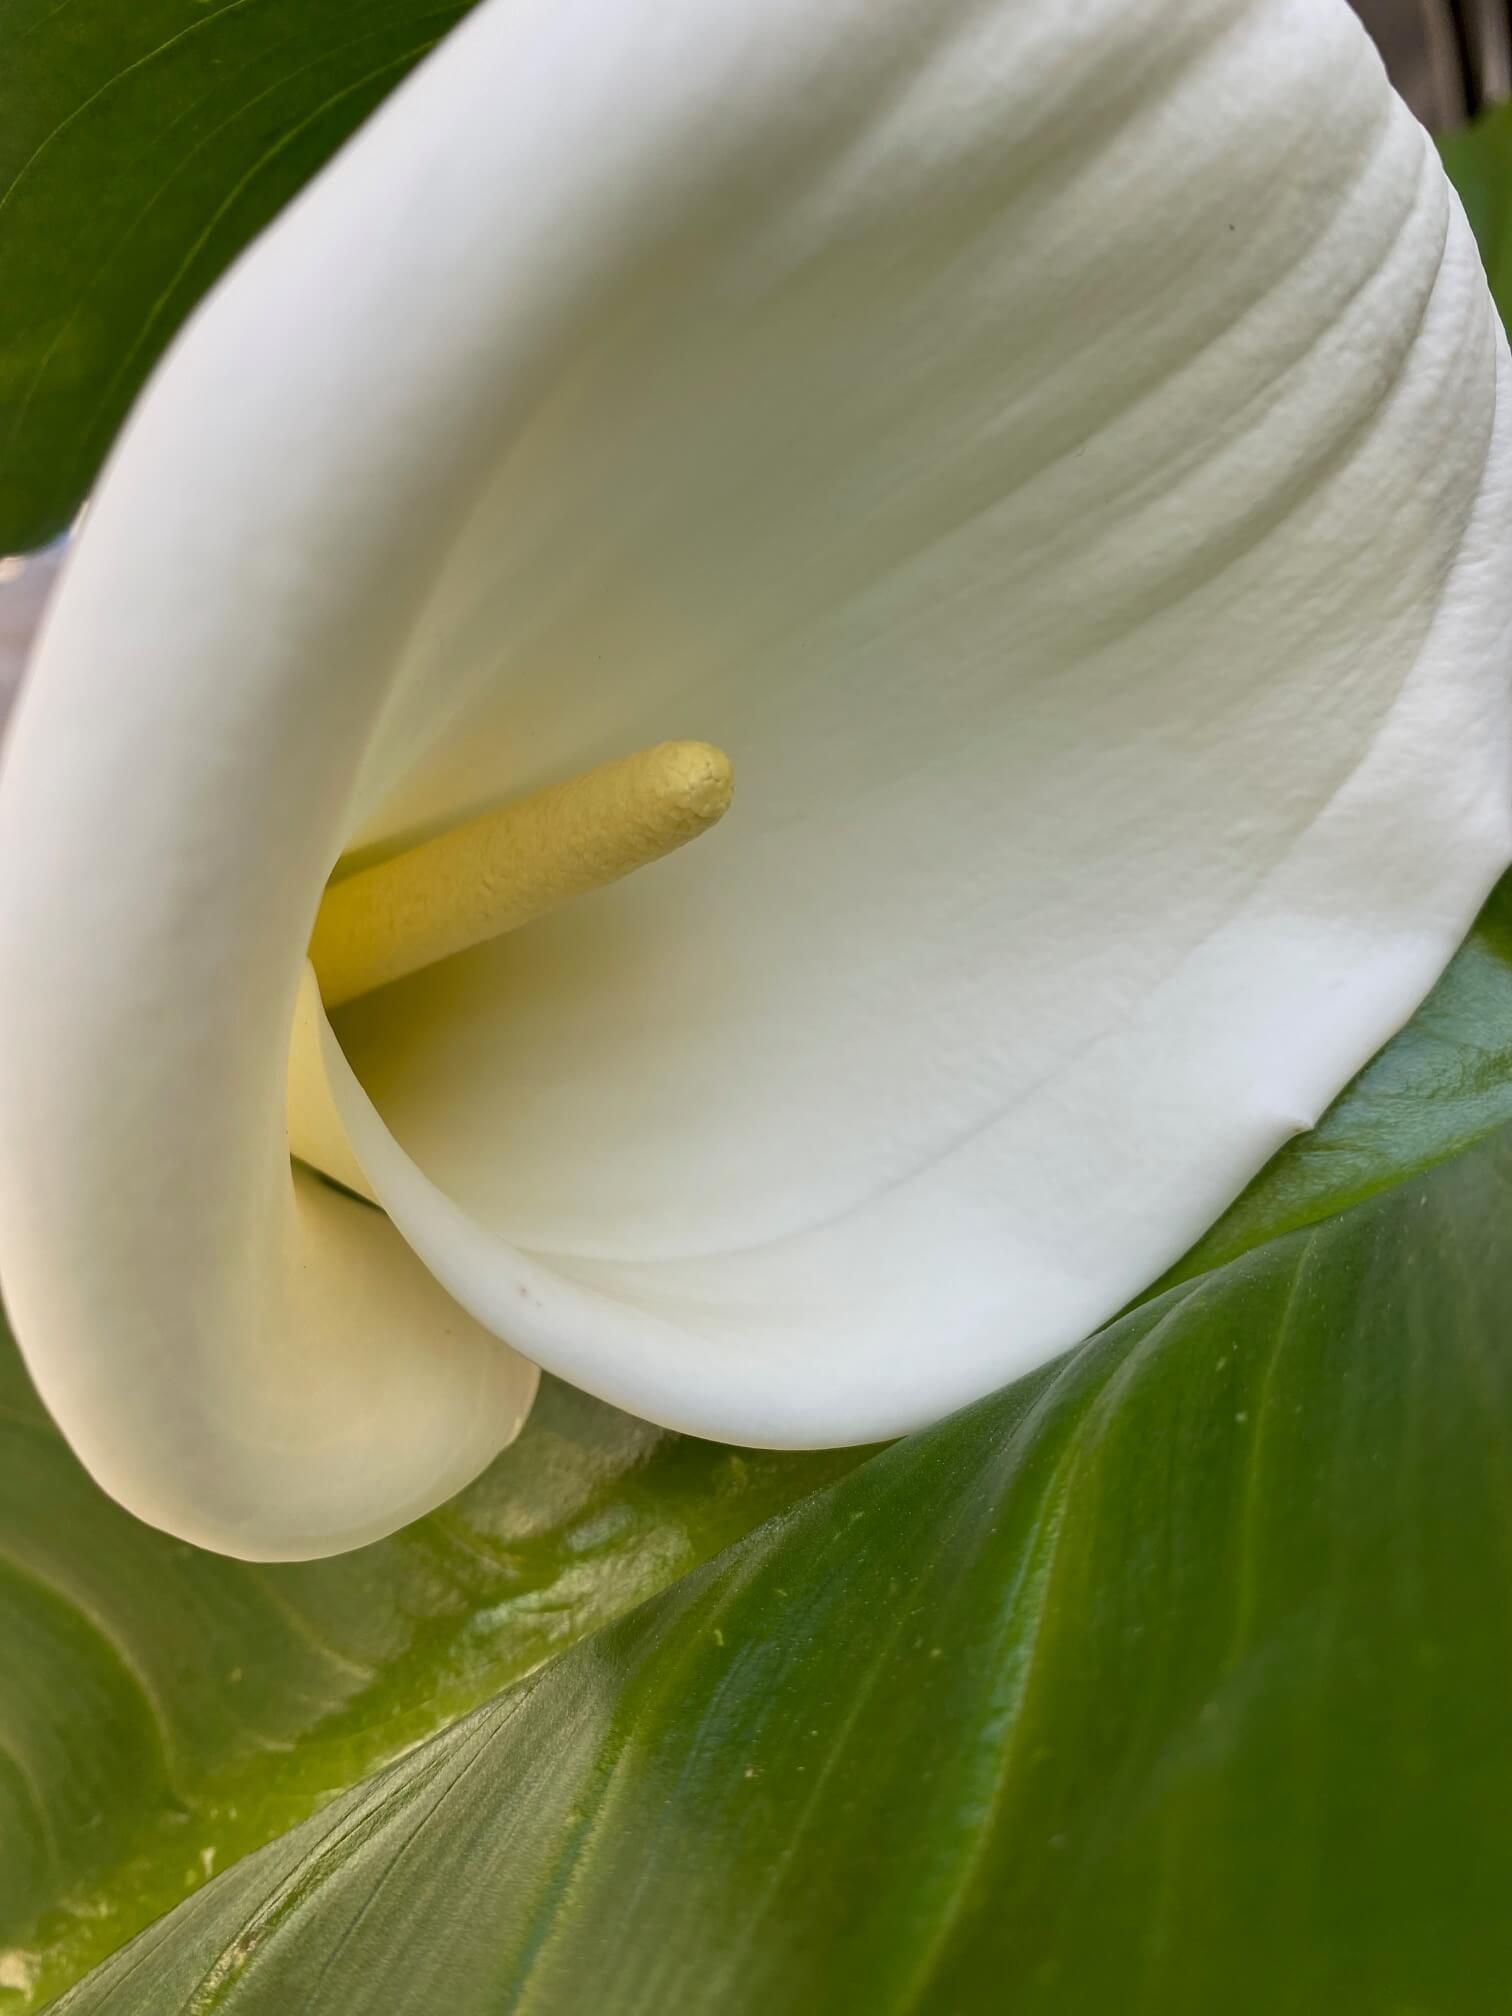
1059	453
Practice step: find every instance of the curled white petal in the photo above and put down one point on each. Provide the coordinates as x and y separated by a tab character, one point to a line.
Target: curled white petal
26	581
1061	453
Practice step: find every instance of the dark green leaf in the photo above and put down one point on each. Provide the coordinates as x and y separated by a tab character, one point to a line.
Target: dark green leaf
1479	164
143	143
163	1710
1175	1679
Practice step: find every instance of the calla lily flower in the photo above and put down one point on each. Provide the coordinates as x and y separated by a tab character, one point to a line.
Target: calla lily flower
1060	455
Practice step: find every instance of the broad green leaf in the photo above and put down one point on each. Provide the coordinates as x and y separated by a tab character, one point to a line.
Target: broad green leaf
1478	160
142	144
163	1710
1174	1679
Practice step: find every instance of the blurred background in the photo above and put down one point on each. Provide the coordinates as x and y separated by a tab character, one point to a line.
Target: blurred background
1448	58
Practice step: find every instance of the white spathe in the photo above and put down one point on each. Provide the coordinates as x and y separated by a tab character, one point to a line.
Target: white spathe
1061	452
26	581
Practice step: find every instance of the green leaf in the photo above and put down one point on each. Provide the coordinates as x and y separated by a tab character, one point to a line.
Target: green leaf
163	1710
1173	1679
1478	160
143	143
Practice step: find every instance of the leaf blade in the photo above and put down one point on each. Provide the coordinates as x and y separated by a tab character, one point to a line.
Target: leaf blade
140	149
163	1710
1166	1680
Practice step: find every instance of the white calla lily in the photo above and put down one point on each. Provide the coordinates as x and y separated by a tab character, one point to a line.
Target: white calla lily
1060	453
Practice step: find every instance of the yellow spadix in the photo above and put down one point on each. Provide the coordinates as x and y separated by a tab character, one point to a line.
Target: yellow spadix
502	870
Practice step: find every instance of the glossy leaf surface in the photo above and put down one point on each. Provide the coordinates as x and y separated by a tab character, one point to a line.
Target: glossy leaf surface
1174	1678
163	1710
141	147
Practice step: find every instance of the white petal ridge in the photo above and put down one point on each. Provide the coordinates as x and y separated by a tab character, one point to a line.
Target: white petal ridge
1062	454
